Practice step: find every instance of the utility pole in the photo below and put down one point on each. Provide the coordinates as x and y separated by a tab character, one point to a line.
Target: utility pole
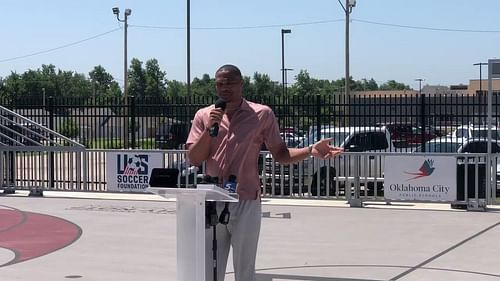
127	13
349	4
188	46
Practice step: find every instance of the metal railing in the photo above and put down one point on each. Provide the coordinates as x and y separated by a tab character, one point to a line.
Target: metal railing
87	171
25	144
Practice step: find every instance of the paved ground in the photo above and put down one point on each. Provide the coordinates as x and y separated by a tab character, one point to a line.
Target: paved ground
77	236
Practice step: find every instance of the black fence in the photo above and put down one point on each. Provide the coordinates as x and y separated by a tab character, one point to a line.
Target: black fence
163	123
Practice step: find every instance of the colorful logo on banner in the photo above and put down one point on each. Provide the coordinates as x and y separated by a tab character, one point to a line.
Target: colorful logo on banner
425	170
420	178
132	166
130	171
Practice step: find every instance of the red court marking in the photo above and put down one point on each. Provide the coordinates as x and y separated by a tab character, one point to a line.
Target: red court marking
9	219
31	235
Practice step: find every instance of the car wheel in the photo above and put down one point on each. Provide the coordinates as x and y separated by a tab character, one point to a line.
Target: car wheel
379	187
323	182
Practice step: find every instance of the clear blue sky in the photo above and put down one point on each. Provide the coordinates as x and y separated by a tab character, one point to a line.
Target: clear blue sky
390	39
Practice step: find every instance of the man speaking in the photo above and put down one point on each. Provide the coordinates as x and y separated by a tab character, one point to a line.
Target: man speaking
243	126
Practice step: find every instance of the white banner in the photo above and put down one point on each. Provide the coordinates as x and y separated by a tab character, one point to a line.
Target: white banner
130	171
420	178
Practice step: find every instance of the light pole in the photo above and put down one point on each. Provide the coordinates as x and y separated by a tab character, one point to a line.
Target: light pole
188	47
127	13
283	70
480	75
349	4
419	85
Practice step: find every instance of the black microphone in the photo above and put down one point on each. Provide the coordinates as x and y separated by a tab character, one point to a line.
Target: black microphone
214	130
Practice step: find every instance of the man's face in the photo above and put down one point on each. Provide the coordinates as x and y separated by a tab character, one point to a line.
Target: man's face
229	86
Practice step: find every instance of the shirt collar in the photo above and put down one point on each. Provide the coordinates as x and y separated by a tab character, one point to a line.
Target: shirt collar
244	105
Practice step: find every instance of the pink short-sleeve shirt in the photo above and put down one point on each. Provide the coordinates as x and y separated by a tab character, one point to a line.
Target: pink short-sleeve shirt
235	151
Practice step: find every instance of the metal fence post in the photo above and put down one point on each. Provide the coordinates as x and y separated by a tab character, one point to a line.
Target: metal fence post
318	117
422	121
356	200
133	125
50	164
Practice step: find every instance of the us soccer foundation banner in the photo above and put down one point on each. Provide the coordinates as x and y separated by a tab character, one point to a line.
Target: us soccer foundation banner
129	171
425	178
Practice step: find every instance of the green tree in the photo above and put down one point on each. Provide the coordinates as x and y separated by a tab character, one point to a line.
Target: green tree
137	79
263	86
204	86
393	85
176	88
305	85
155	79
10	86
248	87
72	84
103	83
366	85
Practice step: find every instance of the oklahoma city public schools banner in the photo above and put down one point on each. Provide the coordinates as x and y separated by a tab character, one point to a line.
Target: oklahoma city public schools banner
129	171
429	178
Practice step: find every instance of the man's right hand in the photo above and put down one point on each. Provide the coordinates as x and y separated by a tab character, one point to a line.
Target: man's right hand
215	117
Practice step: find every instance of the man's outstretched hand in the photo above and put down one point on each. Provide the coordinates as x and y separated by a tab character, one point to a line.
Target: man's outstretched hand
322	149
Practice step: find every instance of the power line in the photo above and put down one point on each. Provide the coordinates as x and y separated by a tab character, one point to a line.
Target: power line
320	22
240	27
428	28
60	47
253	27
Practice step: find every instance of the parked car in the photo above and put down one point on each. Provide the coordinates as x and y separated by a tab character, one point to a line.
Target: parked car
475	131
449	144
409	135
171	135
464	146
318	176
291	139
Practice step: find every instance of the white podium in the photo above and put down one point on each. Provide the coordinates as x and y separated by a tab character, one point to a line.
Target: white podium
191	225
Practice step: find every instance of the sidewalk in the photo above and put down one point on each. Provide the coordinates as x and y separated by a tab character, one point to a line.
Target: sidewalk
132	237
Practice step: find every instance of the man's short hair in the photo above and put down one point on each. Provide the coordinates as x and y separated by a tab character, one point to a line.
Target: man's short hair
233	69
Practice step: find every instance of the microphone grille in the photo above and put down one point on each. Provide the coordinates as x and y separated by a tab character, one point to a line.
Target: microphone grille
220	104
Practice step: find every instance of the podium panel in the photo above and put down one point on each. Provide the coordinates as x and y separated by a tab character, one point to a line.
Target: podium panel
190	210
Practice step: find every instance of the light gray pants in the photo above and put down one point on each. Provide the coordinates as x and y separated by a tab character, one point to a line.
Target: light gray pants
242	234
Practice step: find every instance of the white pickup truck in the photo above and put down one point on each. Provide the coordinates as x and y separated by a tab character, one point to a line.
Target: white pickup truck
314	175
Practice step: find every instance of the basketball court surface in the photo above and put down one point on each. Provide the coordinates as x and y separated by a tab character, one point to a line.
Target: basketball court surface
92	237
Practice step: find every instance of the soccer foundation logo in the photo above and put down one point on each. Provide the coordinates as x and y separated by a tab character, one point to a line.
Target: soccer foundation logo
132	171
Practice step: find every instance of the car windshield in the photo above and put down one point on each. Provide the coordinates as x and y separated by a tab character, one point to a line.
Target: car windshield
483	133
338	138
440	147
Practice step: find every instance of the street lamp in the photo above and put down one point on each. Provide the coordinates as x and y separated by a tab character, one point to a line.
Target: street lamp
480	76
127	13
188	47
419	85
349	4
283	70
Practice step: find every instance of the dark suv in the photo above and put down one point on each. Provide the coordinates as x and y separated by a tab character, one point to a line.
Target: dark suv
171	135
